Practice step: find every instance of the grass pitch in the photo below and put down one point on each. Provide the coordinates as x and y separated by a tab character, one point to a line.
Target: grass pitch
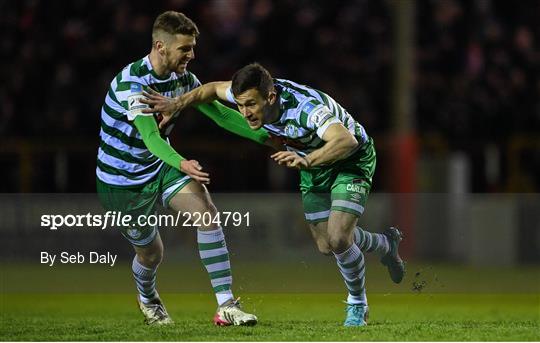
283	317
62	309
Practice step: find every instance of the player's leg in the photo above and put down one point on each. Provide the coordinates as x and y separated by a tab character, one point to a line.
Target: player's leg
350	192
140	201
332	233
392	260
194	198
319	233
371	242
385	245
316	211
351	264
350	195
378	243
144	267
145	264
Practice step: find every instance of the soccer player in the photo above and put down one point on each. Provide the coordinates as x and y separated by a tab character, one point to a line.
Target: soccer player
137	168
336	159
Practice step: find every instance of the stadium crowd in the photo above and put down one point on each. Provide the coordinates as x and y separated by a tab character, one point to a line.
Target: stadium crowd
476	78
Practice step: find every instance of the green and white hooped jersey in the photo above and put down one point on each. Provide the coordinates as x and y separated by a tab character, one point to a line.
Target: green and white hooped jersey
123	158
306	114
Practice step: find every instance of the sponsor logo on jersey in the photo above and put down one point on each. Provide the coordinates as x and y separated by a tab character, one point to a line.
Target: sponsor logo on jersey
320	116
355	197
351	187
135	106
308	107
136	88
134	102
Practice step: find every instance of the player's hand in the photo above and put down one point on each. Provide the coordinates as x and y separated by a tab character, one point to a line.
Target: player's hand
161	104
194	169
290	159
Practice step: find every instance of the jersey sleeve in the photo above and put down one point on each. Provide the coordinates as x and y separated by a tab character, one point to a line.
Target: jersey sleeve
230	96
134	104
317	116
149	131
232	121
193	82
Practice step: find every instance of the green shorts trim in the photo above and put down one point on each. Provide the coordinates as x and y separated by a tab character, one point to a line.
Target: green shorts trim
343	186
173	189
142	200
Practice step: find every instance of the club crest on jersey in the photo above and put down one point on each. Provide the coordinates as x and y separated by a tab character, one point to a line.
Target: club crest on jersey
291	131
133	233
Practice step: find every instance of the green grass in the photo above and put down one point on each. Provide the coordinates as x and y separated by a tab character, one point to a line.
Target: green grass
283	317
296	276
296	301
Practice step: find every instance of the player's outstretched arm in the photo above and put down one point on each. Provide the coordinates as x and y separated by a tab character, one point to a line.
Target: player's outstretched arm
339	143
169	106
232	121
204	99
149	131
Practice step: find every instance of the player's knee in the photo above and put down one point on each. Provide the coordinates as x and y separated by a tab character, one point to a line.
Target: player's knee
324	247
338	243
325	251
210	207
151	260
206	204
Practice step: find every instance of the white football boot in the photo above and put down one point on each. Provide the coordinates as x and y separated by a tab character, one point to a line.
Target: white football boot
230	313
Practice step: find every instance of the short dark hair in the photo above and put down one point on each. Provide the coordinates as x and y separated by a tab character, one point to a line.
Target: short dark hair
173	23
251	76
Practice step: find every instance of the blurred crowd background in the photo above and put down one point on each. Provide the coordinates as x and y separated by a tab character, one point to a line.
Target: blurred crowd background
475	83
472	107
